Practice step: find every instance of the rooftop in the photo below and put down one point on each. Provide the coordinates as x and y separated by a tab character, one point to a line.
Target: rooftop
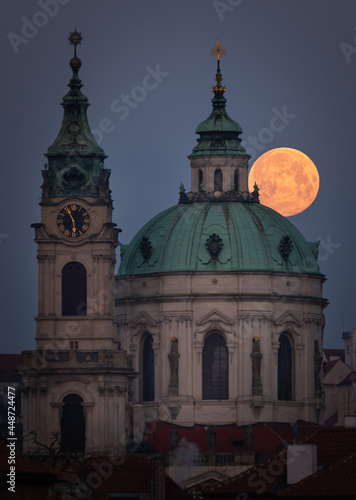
349	379
332	354
269	437
335	477
24	464
247	237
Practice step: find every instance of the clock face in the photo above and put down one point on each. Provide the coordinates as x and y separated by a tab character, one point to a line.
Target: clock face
73	221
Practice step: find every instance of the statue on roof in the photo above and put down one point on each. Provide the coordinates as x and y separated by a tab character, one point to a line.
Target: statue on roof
211	437
249	439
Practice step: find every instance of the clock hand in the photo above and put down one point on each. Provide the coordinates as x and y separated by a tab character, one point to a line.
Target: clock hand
71	216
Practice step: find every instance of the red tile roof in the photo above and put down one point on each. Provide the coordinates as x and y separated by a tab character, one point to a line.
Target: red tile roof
115	475
126	475
229	438
331	421
262	478
24	464
333	444
130	475
336	452
335	481
351	377
329	365
331	353
8	365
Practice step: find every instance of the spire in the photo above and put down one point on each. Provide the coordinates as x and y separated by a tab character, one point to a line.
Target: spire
75	159
218	163
219	134
75	63
75	134
218	51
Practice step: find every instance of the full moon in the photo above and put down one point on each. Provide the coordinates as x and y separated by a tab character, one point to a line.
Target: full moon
288	180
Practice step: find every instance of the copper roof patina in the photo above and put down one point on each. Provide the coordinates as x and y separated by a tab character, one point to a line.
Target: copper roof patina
251	236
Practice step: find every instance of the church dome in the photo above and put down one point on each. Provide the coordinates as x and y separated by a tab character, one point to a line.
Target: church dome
218	236
219	226
219	298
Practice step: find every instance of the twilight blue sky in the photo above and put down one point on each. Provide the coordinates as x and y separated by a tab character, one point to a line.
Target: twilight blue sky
296	58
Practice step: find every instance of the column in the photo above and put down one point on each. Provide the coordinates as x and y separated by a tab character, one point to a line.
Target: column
40	259
47	290
120	430
52	260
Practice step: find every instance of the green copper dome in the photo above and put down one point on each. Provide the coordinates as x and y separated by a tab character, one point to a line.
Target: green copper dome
218	236
213	230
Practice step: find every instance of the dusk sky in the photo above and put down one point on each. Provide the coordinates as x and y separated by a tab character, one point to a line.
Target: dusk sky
295	60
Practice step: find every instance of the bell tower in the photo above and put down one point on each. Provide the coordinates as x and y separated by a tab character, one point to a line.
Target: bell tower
76	382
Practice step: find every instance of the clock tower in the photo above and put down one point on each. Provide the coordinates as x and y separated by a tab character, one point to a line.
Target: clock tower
76	383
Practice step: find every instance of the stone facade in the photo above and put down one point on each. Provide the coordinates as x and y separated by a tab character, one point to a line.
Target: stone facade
347	401
334	375
193	305
76	383
218	323
204	167
76	354
99	378
350	348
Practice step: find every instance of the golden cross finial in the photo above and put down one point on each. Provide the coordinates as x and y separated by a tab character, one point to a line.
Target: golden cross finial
218	50
75	39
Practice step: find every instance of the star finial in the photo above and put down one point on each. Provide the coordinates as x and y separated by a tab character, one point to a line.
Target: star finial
75	39
218	50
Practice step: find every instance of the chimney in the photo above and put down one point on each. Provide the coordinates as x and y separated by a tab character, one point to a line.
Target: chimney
301	462
159	472
350	420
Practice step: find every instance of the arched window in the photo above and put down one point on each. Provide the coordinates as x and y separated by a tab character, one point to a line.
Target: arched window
73	424
74	289
148	370
200	178
285	392
215	368
236	180
218	180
